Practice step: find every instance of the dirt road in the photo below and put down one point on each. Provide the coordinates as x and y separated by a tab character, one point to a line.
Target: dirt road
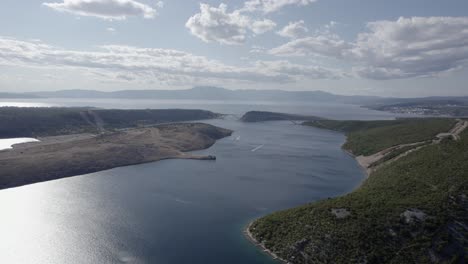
367	162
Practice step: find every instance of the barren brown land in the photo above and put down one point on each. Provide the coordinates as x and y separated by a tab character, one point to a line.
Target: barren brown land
64	156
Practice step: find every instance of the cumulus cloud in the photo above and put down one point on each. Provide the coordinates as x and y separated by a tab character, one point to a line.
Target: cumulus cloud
106	9
412	47
298	70
269	6
262	26
294	30
216	24
405	48
130	63
323	45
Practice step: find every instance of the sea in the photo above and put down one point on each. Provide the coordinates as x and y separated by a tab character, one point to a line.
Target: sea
182	211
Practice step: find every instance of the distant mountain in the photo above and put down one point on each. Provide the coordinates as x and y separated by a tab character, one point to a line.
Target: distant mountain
16	95
216	93
211	93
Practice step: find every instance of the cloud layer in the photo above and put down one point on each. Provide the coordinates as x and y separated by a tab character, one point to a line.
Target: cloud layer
405	48
163	65
294	30
412	47
269	6
105	9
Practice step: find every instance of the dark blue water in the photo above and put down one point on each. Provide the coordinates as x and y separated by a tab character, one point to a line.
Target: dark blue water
177	211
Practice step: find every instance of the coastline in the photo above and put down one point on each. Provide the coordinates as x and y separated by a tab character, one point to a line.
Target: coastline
254	241
367	171
363	165
73	155
353	204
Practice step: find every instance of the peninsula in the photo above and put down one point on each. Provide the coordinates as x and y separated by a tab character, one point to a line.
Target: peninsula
63	156
76	141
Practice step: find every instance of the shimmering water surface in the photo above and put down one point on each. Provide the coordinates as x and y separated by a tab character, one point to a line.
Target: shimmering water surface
9	142
182	211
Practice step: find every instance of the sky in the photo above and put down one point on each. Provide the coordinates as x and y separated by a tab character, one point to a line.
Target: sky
405	48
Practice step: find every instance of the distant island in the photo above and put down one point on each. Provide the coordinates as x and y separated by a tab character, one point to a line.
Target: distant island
411	209
262	116
77	141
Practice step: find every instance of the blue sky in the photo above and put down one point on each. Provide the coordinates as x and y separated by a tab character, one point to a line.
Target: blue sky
396	48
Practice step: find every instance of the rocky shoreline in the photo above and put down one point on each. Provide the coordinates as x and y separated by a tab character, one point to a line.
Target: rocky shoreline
252	239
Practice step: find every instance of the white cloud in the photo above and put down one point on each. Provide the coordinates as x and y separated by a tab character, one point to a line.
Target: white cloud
298	70
268	6
324	45
131	63
262	26
405	48
111	29
258	49
106	9
294	30
412	47
216	24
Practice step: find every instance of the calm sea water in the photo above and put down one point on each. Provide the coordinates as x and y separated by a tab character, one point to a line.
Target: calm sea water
182	211
237	108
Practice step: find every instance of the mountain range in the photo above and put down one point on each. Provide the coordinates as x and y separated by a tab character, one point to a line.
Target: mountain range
216	93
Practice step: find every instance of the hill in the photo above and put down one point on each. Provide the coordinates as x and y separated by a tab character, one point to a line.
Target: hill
17	96
412	209
369	137
34	122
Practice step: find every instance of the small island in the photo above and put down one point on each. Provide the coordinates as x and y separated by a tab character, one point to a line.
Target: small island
262	116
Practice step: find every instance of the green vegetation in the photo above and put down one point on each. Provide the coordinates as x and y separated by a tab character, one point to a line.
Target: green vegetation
395	153
413	210
33	122
369	137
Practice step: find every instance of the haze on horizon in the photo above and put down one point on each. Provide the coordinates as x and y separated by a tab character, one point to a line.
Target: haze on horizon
370	47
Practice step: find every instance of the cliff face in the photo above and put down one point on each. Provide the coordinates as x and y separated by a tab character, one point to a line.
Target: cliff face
64	156
261	116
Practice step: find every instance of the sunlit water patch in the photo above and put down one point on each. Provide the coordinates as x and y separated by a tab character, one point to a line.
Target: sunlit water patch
177	211
24	104
9	142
